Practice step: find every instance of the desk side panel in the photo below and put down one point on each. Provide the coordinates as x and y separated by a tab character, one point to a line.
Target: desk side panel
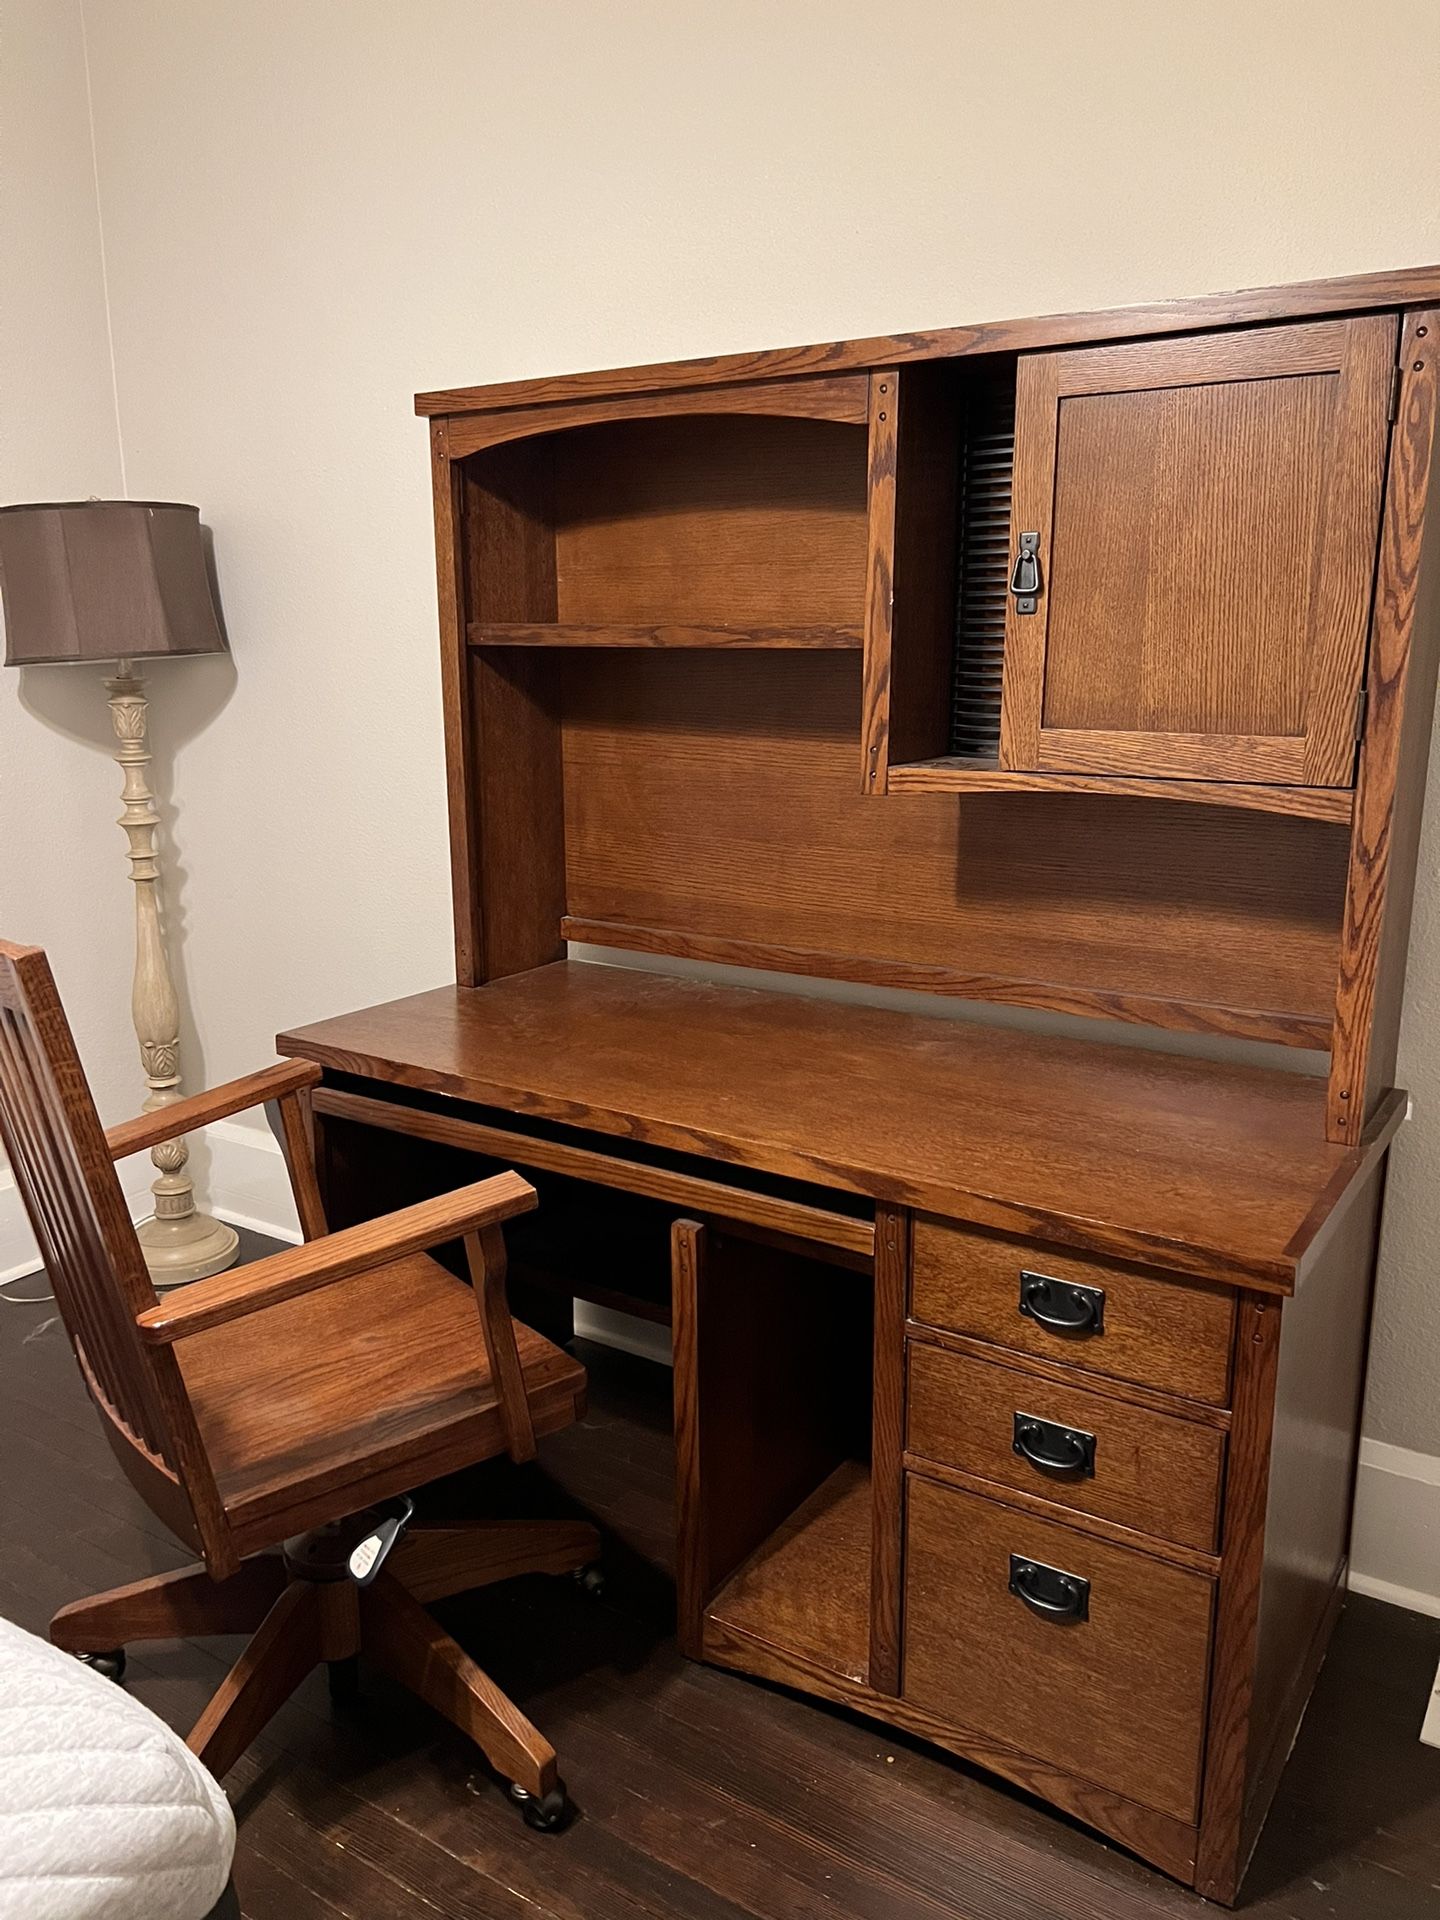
1290	1491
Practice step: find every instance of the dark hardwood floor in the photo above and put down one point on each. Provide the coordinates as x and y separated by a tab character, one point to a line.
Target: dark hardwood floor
702	1796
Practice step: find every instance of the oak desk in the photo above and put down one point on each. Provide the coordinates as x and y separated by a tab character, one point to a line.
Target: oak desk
779	1151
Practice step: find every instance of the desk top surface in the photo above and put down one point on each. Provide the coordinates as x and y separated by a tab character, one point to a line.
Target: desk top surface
1209	1168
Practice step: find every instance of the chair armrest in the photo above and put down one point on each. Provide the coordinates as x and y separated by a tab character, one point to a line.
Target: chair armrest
318	1263
184	1116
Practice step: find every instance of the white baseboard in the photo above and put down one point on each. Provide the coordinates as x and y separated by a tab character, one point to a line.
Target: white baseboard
18	1254
247	1182
17	1246
623	1330
1395	1548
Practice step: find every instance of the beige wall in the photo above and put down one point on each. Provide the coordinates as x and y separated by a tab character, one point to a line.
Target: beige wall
312	209
61	861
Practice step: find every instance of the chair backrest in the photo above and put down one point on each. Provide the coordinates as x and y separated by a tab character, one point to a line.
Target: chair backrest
66	1178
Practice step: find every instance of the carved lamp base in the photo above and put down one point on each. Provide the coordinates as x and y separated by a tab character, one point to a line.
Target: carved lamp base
189	1249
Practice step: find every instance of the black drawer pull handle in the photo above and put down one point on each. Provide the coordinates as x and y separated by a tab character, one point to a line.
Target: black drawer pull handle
1053	1448
1049	1592
1062	1306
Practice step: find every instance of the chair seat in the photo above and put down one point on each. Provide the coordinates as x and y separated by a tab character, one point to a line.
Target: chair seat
315	1407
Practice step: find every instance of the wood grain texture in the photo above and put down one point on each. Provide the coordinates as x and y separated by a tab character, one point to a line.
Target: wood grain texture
226	1297
1332	1206
403	1641
1042	1509
197	1110
311	1410
1135	1009
887	1444
1314	1452
434	1562
733	1203
911	568
772	1361
275	1660
1059	1372
1164	612
840	397
520	825
485	1257
1404	652
1349	293
448	496
1153	1473
947	775
297	1140
879	624
1187	1164
510	772
171	1606
806	1589
694	785
609	634
1168	1843
725	521
693	1581
64	1172
1163	480
1118	1698
926	518
1219	1865
1159	1330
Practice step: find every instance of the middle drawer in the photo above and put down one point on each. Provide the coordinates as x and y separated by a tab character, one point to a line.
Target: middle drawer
1153	1472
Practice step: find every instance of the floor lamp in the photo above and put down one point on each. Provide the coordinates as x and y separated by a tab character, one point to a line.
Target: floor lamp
119	581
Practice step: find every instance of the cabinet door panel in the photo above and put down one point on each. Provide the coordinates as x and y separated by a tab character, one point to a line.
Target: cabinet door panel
1207	512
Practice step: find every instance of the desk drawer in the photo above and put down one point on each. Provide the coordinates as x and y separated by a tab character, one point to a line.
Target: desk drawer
1150	1471
1116	1698
1156	1329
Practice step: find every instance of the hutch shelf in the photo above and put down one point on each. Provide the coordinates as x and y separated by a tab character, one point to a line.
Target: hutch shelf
1082	665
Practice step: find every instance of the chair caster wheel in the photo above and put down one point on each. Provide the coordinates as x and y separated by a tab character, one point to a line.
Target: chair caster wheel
591	1579
549	1813
111	1664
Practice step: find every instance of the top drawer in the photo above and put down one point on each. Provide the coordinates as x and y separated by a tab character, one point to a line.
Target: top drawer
1158	1330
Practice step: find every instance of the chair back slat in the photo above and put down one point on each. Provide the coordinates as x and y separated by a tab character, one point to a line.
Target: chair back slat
67	1181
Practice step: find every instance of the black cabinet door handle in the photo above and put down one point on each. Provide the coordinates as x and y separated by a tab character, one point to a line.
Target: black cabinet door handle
1049	1592
1052	1448
1025	577
1062	1306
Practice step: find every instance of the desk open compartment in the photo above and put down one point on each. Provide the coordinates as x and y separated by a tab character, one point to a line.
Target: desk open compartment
772	1418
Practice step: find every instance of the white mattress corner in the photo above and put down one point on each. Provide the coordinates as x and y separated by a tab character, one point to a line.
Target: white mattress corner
105	1814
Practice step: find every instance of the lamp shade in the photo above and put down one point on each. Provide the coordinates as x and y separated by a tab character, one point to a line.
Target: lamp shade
105	580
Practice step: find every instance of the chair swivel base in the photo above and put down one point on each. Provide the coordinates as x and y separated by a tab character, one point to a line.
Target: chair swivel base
301	1614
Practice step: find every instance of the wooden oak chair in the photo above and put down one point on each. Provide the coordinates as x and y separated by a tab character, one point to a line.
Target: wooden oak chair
274	1416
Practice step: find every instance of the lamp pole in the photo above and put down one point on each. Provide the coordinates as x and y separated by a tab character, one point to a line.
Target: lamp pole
179	1242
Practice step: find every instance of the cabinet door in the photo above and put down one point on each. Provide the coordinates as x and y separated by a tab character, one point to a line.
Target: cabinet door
1204	514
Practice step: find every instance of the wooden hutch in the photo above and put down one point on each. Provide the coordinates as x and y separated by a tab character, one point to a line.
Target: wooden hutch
1082	665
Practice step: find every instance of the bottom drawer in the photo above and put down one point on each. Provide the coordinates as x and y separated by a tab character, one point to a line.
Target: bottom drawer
1109	1687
